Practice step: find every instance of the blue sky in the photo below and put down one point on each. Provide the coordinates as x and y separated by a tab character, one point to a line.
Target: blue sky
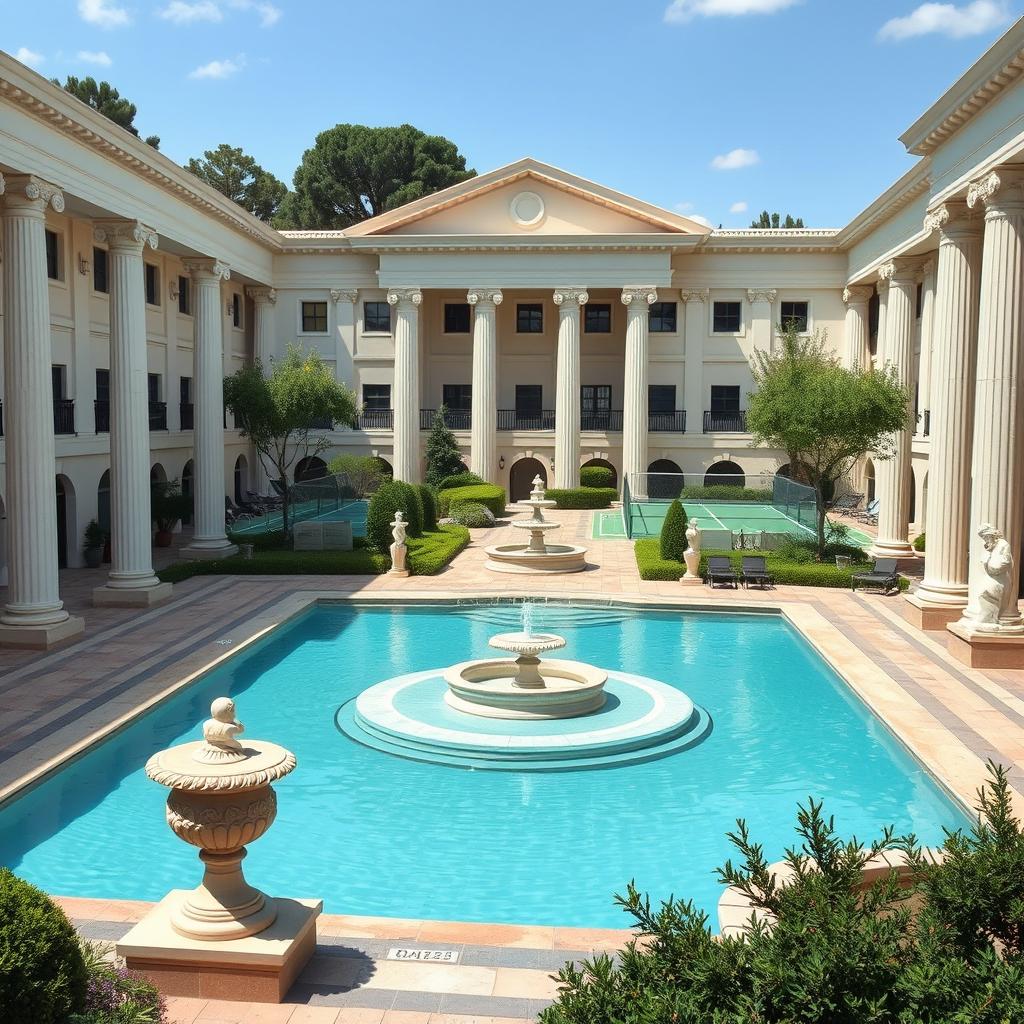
696	105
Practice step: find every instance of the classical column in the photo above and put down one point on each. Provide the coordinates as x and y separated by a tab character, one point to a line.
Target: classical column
567	387
637	300
695	331
942	595
264	345
857	299
893	474
483	436
761	327
131	581
997	500
209	539
34	615
406	390
925	363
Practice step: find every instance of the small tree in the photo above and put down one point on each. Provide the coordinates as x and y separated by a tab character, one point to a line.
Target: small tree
281	414
365	473
825	416
103	97
232	171
443	455
673	532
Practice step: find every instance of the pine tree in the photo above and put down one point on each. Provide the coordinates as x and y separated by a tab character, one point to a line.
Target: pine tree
444	457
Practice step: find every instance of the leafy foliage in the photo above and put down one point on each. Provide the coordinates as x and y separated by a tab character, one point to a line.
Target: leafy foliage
774	220
582	497
471	514
444	457
430	553
490	495
234	173
672	542
391	497
354	172
596	476
463	479
103	97
725	492
116	995
919	542
168	504
428	502
364	472
42	971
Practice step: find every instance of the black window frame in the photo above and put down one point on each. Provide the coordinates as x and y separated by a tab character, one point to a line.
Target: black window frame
725	398
786	320
59	381
457	314
151	279
728	320
153	386
665	391
53	260
184	295
100	270
529	409
372	320
102	384
372	402
312	313
529	318
185	390
659	318
597	318
457	397
236	310
595	399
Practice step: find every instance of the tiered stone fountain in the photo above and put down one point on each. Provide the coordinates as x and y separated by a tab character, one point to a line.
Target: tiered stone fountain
538	556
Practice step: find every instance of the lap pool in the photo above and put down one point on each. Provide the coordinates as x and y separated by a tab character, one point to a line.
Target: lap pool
373	833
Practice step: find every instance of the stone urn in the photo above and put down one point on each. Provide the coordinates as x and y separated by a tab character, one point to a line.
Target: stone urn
221	799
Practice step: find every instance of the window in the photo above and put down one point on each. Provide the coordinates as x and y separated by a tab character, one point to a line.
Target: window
726	317
60	378
873	310
102	385
52	256
456	318
376	317
152	285
100	271
184	296
661	319
919	302
725	398
661	399
595	399
314	318
153	380
236	311
795	315
457	397
597	318
529	318
377	396
185	390
529	401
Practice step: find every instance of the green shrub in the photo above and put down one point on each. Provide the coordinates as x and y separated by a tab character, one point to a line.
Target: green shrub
43	976
673	532
363	472
582	497
465	479
650	563
597	476
430	553
413	508
444	457
391	496
428	502
725	492
361	561
490	495
919	542
471	514
116	995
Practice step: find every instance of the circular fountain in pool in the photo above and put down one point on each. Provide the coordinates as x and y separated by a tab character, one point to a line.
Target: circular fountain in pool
524	714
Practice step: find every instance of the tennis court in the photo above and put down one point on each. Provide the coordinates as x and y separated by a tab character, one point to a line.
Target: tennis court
353	510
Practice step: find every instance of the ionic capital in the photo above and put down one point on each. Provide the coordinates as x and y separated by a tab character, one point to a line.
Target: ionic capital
856	295
996	189
261	296
902	273
571	296
485	295
404	296
640	294
127	236
762	295
344	295
935	220
208	269
29	194
695	294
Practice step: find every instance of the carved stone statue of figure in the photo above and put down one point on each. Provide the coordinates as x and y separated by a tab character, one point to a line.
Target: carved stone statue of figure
692	553
398	546
219	732
998	597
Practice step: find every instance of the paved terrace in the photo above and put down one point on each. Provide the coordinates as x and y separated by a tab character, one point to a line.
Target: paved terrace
954	718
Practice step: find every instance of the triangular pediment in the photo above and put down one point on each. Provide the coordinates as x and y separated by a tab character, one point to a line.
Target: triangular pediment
527	198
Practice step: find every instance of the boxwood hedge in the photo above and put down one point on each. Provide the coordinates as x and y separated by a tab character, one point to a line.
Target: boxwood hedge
490	495
582	497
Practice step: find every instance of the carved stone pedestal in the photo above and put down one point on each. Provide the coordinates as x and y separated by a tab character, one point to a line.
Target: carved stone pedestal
985	650
928	616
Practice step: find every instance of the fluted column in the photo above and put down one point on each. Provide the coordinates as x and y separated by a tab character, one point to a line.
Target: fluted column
857	299
484	416
406	303
264	345
637	301
955	340
761	327
131	581
695	329
567	387
34	615
893	474
926	362
209	539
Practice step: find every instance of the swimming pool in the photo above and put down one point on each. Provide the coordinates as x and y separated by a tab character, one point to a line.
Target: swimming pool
372	833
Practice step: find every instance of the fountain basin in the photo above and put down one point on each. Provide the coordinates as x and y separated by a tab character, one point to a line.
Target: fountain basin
519	558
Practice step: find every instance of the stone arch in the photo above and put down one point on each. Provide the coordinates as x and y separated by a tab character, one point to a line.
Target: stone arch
241	478
724	473
869	480
103	501
521	474
386	468
157	474
605	464
67	541
312	467
662	486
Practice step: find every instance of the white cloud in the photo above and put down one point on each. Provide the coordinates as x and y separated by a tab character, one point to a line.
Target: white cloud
971	19
29	57
100	57
183	13
740	207
700	219
735	159
686	10
268	13
219	68
103	13
684	207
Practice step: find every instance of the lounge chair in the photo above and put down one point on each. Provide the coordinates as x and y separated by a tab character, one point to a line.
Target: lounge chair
755	570
869	514
883	574
847	504
720	570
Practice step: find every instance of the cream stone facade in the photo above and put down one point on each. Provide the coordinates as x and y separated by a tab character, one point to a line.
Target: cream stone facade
559	321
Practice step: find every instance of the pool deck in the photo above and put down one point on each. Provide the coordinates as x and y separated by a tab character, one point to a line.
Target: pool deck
953	718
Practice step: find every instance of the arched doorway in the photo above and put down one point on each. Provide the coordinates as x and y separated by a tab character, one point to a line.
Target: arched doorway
604	464
187	489
912	484
869	480
103	502
661	485
65	520
385	467
157	475
241	478
3	543
520	478
726	474
310	468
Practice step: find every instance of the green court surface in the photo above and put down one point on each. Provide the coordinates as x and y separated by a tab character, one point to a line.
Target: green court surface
309	511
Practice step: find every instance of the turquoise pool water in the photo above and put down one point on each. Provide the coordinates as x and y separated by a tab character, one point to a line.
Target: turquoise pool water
374	834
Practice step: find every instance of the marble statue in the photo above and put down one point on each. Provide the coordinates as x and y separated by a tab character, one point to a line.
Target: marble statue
692	553
398	546
997	599
220	730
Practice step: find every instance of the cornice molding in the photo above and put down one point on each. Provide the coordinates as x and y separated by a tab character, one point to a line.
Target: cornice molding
129	235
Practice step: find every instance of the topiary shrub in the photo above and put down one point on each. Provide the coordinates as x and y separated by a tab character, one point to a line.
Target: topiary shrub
582	497
428	502
466	479
597	476
413	508
673	532
490	495
392	496
43	975
472	514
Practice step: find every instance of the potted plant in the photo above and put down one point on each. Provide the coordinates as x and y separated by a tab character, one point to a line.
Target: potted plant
92	545
169	507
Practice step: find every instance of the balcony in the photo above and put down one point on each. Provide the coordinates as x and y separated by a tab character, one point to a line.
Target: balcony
608	420
454	419
101	413
725	422
667	422
513	419
376	419
63	415
157	415
187	411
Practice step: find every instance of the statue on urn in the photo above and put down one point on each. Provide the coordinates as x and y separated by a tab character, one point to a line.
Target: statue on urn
692	553
219	732
997	599
398	546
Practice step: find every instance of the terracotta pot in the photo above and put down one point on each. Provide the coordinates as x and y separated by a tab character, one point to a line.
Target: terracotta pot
164	538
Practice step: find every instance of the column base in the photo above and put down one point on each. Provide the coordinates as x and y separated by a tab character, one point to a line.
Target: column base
255	969
691	581
892	549
40	637
984	650
141	597
203	553
928	616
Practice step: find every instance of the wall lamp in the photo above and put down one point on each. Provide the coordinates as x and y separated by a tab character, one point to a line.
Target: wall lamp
501	462
83	265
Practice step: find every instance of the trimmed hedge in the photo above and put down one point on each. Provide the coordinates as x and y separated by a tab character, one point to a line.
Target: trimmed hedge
650	563
673	533
724	492
472	514
466	479
390	497
490	495
582	497
430	553
596	476
428	502
919	542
